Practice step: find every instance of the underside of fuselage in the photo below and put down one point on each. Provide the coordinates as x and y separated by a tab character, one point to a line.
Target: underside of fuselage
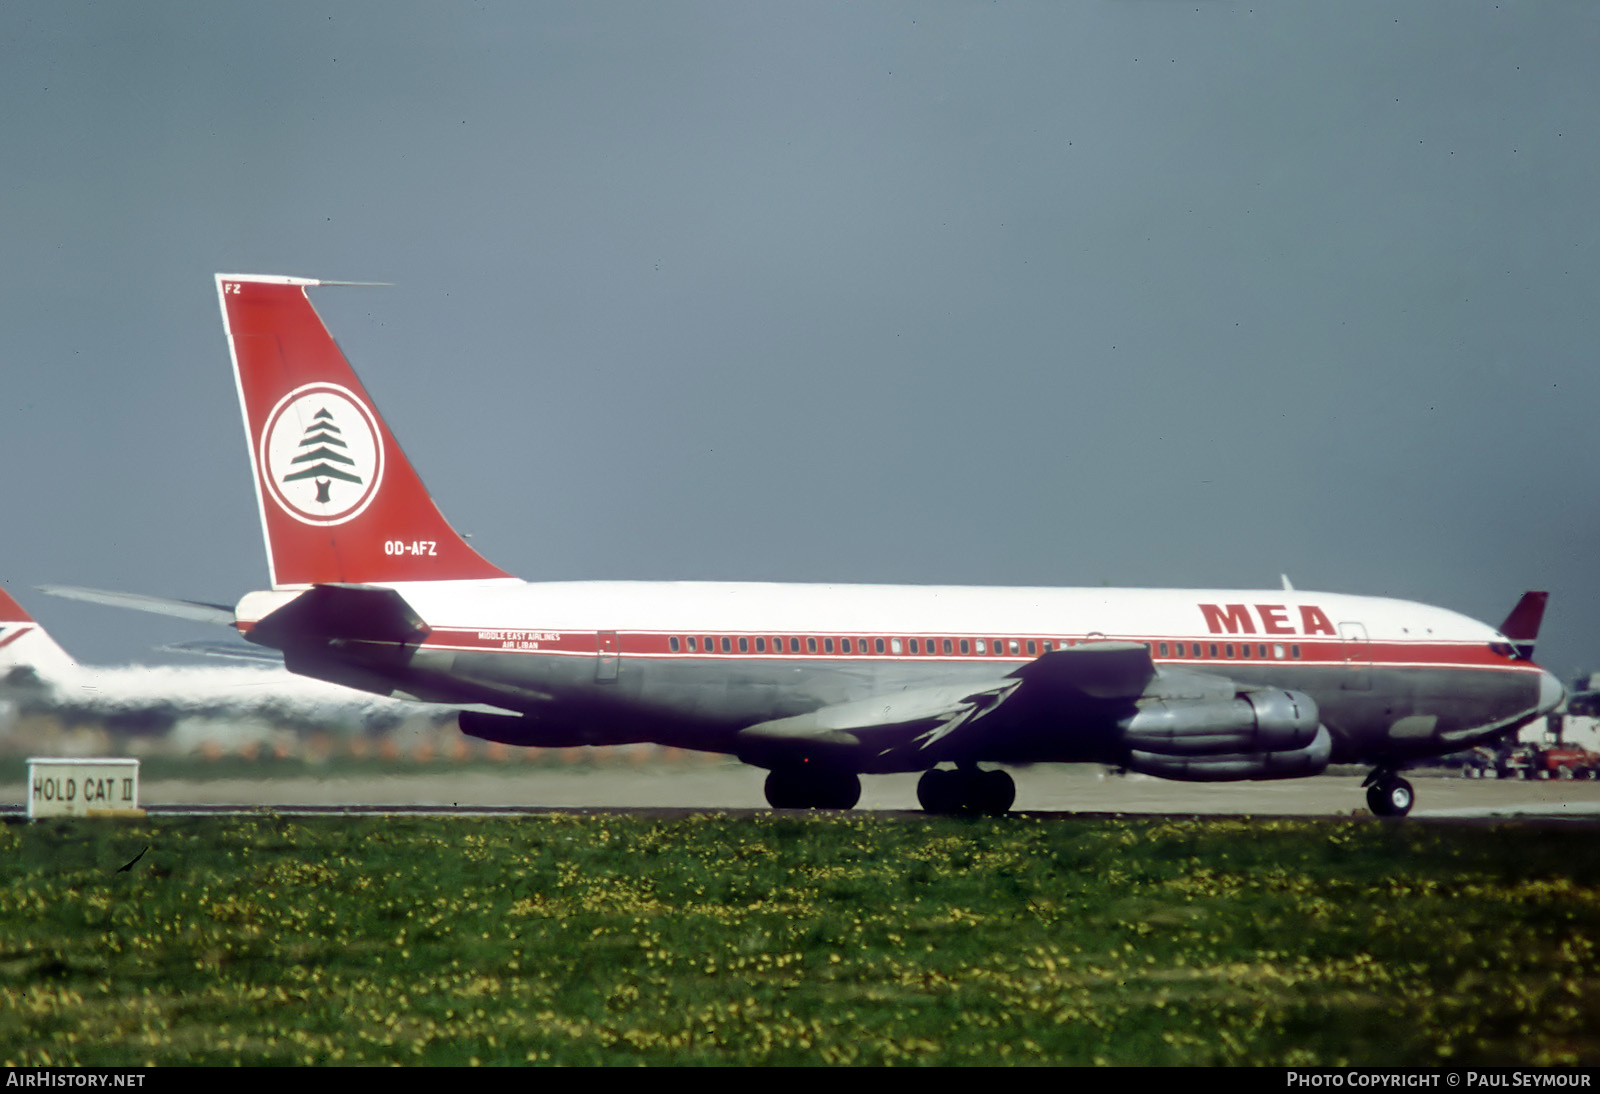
1373	714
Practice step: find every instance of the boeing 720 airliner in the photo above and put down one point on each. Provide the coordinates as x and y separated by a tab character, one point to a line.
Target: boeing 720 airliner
821	684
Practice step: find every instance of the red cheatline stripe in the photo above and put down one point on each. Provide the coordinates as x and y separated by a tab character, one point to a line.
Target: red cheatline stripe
1313	651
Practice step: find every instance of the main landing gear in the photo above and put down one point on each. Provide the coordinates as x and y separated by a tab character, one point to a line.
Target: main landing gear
967	790
807	786
1388	795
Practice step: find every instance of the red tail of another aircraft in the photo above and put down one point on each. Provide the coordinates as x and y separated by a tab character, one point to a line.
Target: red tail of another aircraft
339	500
24	642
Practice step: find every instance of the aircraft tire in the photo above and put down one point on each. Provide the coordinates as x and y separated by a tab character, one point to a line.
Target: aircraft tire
991	793
788	788
784	790
843	791
1391	797
939	791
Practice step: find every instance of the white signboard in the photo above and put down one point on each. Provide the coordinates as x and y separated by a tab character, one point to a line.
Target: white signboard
81	787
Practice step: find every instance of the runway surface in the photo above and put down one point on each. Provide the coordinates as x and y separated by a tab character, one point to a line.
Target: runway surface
1040	789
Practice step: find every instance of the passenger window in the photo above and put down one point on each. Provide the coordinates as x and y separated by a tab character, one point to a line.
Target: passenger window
827	645
744	644
844	646
966	646
914	647
727	645
1294	652
1032	647
978	645
1213	649
1244	650
947	645
1014	647
672	643
761	645
1163	649
1277	650
1227	650
811	645
877	644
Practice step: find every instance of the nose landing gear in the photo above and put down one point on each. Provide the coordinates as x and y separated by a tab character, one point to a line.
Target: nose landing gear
1388	795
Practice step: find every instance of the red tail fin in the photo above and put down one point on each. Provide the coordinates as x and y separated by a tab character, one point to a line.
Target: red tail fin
24	642
11	611
339	500
1522	625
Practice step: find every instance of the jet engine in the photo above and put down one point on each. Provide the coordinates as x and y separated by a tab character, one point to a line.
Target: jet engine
1255	735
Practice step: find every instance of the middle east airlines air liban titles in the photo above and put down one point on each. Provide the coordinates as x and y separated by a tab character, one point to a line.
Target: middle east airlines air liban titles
518	640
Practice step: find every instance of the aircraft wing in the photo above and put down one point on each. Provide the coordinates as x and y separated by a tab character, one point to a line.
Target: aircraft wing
918	726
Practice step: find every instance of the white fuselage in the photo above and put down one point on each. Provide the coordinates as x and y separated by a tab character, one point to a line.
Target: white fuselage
690	663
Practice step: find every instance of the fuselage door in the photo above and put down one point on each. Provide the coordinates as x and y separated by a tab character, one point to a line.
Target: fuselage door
609	657
1357	657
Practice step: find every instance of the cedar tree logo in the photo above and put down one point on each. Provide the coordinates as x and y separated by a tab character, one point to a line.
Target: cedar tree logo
321	454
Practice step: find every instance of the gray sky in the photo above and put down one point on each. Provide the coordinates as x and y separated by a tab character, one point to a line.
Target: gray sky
1134	293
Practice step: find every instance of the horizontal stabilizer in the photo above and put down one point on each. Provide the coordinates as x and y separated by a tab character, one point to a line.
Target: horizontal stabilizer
357	613
197	610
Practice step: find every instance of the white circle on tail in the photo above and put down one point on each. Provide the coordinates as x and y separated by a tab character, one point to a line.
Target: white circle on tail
321	454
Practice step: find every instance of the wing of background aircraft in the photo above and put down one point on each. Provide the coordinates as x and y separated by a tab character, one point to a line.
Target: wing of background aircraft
233	651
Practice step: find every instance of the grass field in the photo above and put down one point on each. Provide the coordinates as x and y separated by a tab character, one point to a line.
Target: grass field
797	939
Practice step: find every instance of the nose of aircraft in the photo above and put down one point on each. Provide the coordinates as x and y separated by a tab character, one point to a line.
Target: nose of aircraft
1550	692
